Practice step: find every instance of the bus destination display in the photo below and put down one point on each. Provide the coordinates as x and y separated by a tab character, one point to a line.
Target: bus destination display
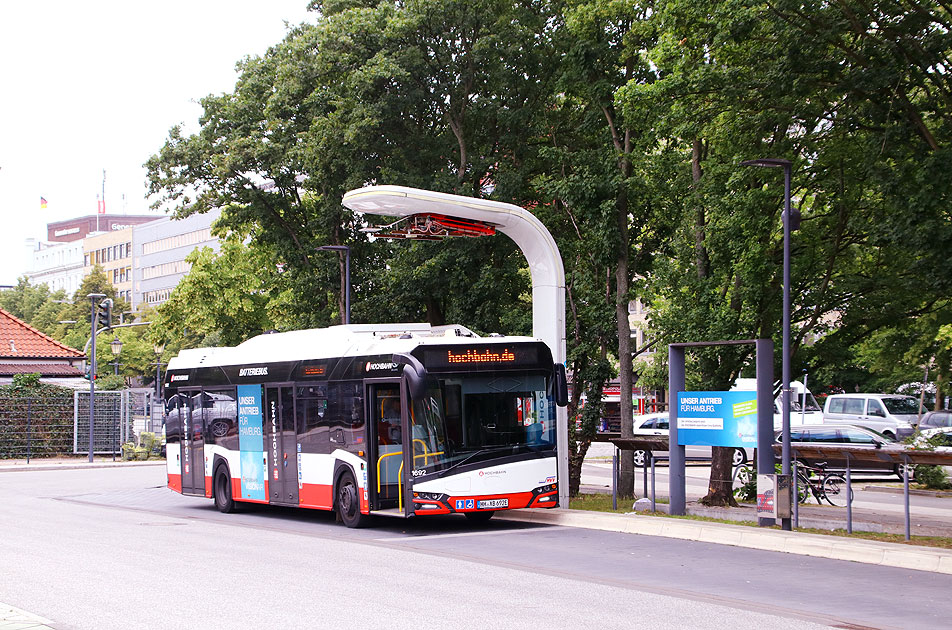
485	357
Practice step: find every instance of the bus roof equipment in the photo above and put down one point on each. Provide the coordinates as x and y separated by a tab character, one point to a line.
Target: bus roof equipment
533	239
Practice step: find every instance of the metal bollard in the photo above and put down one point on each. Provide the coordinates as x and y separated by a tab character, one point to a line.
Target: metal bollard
905	491
849	497
796	496
653	508
615	479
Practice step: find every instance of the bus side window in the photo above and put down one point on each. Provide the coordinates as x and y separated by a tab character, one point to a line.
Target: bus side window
221	417
345	408
313	419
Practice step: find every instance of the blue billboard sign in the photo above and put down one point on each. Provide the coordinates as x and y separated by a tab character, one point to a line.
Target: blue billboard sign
251	442
717	419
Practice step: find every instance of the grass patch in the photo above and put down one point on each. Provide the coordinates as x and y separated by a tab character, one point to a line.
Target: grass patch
603	503
599	502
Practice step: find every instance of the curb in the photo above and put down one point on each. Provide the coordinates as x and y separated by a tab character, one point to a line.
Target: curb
838	548
912	491
75	466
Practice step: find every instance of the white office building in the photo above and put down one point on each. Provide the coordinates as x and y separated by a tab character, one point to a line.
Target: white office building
159	249
57	265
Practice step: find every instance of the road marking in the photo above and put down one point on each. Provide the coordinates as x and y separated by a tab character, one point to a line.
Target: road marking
13	617
533	530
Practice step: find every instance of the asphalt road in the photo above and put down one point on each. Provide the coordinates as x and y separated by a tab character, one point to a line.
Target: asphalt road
112	548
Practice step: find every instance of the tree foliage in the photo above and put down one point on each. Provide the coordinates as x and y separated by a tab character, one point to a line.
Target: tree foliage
622	125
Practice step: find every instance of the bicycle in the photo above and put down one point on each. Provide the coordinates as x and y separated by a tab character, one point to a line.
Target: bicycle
823	485
745	483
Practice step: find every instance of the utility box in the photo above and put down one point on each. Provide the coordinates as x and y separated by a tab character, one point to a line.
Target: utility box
773	496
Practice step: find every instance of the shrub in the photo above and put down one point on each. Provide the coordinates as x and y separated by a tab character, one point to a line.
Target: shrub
933	477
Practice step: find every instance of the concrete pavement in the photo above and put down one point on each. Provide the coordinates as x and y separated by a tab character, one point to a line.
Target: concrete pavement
832	547
915	557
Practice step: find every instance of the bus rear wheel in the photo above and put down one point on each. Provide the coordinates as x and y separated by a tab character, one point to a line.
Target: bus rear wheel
222	490
348	502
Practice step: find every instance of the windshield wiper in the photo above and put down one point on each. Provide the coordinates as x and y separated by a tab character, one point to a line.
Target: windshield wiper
481	451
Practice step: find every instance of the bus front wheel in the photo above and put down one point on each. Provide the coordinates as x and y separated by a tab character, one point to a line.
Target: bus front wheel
348	502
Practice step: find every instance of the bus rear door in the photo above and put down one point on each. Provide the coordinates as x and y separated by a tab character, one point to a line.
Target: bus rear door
189	409
280	442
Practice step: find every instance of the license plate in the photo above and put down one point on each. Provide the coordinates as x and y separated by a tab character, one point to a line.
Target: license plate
492	503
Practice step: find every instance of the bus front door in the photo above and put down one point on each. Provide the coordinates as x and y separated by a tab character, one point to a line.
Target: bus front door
387	457
280	442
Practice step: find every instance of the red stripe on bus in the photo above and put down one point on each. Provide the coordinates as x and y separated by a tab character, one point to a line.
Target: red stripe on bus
175	482
315	495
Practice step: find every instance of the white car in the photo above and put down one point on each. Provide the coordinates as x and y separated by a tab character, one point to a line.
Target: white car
657	424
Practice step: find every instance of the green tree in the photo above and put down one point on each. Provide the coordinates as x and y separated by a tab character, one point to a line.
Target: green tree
25	300
225	295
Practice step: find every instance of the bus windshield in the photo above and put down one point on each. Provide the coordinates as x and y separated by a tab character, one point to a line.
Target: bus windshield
474	419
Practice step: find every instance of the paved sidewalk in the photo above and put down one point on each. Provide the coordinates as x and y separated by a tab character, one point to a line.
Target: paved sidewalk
835	547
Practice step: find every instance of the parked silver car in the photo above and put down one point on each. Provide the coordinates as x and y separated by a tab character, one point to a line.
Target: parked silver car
844	434
657	424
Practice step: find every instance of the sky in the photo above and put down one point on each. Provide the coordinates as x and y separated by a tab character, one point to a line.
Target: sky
95	86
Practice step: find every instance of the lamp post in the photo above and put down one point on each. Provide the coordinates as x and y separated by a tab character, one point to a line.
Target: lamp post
158	348
116	346
92	366
346	250
788	224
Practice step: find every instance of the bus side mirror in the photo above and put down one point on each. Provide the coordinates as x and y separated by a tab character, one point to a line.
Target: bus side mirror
415	374
561	386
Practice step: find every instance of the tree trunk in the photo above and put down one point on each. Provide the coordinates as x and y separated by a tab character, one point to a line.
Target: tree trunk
626	463
719	487
576	459
626	469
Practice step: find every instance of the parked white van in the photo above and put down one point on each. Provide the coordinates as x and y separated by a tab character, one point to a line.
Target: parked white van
804	408
890	414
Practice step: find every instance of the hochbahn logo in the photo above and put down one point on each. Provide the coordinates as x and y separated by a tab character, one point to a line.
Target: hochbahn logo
373	367
255	371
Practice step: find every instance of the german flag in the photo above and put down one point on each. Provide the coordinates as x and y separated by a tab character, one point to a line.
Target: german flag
43	203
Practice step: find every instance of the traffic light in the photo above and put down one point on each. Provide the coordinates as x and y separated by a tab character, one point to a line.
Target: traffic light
104	314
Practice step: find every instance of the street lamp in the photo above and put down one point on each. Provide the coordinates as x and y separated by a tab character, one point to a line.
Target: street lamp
346	250
116	346
92	367
158	348
791	221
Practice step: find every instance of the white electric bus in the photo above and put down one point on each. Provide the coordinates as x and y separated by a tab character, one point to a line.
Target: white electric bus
393	419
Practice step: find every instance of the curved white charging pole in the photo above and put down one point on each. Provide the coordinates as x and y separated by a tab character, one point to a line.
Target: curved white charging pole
537	245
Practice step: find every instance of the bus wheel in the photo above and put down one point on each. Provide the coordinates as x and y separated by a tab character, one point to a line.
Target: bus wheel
348	503
479	517
222	487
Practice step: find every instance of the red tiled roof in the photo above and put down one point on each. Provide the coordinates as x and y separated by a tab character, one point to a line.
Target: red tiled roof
20	340
43	369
